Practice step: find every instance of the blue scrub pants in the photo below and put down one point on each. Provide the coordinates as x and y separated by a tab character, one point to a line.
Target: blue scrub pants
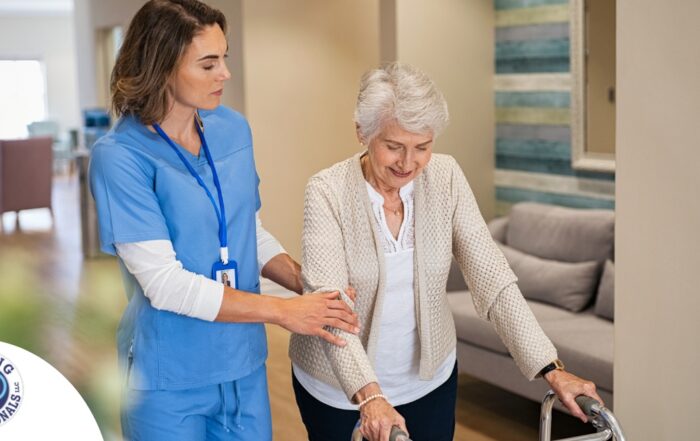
238	410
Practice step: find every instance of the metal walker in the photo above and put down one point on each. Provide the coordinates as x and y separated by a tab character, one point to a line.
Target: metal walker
607	426
601	417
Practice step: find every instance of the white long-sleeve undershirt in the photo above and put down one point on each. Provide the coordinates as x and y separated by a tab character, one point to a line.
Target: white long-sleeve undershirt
172	288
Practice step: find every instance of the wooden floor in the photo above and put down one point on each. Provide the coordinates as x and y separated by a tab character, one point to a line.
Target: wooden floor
69	308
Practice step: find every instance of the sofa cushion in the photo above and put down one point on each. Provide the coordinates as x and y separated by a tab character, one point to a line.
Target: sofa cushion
583	341
585	344
569	285
469	326
455	279
605	301
474	330
498	228
559	233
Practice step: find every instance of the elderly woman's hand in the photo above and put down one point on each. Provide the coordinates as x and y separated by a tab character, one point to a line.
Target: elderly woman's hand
377	416
568	386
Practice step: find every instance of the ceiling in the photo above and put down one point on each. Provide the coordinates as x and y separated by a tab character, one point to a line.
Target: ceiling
38	7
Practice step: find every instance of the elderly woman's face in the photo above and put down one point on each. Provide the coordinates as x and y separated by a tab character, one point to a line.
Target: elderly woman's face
397	156
199	79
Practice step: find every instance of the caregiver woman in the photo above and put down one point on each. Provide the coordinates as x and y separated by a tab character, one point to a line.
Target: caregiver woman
177	200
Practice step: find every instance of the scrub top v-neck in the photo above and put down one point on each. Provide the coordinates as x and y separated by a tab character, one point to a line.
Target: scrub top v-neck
143	192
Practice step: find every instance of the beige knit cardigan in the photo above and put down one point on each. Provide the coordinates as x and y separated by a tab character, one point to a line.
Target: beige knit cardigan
341	246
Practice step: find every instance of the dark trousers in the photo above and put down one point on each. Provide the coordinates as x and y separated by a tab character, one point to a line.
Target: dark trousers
431	418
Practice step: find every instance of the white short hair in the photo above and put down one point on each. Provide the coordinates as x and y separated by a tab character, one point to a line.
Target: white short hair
399	92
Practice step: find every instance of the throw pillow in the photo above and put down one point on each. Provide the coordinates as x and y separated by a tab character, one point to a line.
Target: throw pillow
567	285
605	303
560	233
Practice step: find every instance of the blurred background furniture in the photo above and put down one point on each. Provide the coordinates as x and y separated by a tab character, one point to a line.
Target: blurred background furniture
39	129
563	258
96	123
63	146
25	174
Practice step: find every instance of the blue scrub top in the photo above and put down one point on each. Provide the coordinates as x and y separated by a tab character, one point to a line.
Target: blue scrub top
144	192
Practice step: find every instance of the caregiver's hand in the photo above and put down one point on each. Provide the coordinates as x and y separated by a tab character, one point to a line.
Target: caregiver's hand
310	313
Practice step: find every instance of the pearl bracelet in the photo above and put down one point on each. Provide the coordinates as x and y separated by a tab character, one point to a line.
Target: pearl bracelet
370	398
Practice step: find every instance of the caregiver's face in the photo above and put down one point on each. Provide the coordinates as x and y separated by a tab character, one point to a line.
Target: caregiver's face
199	79
397	156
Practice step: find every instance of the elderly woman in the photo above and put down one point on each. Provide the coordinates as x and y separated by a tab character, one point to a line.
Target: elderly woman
387	221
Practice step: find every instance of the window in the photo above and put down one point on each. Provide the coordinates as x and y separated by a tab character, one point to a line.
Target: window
22	96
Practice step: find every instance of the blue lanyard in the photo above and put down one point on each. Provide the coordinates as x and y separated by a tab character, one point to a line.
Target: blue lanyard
220	213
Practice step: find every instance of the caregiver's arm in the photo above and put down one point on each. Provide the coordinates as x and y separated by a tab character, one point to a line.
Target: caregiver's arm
172	288
167	284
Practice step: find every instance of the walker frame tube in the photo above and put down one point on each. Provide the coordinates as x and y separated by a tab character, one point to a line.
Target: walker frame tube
601	417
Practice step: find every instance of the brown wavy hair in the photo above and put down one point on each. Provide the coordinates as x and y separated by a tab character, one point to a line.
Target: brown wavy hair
157	38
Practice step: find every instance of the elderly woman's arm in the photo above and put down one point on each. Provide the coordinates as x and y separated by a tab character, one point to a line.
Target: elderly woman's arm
497	298
324	268
532	350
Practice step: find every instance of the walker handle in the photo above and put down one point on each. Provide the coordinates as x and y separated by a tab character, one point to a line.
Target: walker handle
589	406
398	435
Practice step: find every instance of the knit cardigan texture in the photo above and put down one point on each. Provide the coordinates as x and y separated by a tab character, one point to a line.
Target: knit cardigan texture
341	246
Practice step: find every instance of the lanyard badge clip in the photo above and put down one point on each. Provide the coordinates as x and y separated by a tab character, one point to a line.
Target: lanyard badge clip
226	273
225	270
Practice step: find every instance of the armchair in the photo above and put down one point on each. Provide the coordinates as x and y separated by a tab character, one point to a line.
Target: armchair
25	174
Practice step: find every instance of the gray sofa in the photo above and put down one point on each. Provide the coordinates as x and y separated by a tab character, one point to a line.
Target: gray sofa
563	260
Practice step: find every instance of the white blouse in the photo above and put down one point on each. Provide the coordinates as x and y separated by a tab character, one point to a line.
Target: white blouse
396	370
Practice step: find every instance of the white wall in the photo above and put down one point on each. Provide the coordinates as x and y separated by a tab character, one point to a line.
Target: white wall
303	62
93	15
657	310
297	77
90	16
49	39
453	42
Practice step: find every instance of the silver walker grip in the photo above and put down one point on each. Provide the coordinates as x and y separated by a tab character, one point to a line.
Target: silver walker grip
601	417
396	434
589	406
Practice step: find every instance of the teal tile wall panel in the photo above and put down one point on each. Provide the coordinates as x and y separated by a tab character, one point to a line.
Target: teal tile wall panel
541	49
533	149
534	131
532	36
515	4
513	195
532	56
533	65
552	166
533	99
549	31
